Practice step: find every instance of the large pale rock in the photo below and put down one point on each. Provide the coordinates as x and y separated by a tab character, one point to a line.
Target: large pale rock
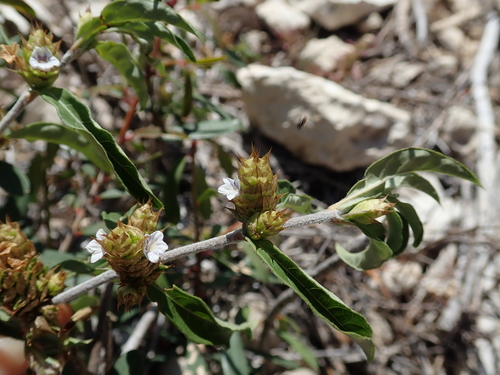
343	130
334	14
281	17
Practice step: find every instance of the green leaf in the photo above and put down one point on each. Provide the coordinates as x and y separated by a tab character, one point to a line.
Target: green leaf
124	11
171	190
187	99
373	256
285	187
148	30
397	236
111	219
209	128
298	345
161	31
13	181
52	258
200	190
414	181
375	230
130	363
21	7
233	360
298	203
193	317
323	302
381	175
225	160
77	266
80	140
75	114
119	56
408	212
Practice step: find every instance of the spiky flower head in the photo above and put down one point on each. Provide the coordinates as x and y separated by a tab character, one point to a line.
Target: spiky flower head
258	187
38	63
133	252
25	283
368	210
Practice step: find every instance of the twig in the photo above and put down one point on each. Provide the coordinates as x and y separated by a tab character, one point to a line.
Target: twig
78	290
26	97
401	13
183	251
486	157
140	330
486	131
420	21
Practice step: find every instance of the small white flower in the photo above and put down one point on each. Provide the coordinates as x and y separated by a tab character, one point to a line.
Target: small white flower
230	188
42	59
154	246
95	247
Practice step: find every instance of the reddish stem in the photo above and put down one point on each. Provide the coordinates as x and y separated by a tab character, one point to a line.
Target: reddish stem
128	119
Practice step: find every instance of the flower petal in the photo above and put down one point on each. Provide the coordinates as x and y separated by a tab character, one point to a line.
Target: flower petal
42	59
230	188
96	256
154	246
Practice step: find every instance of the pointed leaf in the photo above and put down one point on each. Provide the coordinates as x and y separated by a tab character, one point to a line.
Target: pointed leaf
124	11
75	114
233	360
298	203
414	181
171	191
13	181
193	317
323	302
119	56
379	176
298	345
161	31
21	7
80	140
375	230
375	254
395	235
408	212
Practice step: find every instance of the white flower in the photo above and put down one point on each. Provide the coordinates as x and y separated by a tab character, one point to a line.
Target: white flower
42	59
230	188
95	247
154	246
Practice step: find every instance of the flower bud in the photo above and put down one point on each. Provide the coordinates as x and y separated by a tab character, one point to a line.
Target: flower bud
265	225
145	218
367	211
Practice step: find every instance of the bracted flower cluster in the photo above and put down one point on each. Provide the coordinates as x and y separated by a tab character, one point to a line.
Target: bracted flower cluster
133	250
153	246
254	194
38	64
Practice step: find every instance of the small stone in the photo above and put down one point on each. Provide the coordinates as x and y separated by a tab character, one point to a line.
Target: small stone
281	18
334	14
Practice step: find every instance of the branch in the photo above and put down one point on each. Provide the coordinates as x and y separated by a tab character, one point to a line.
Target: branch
76	291
26	98
183	251
486	150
